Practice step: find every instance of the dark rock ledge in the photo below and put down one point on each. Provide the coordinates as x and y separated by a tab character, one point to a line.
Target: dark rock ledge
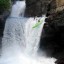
36	7
3	18
52	37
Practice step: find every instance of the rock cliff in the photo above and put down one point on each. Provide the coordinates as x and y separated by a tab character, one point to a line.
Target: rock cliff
52	37
36	7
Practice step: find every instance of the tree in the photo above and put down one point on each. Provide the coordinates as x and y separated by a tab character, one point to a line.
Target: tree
4	5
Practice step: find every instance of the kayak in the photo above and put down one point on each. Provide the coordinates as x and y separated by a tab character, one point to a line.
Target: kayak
37	24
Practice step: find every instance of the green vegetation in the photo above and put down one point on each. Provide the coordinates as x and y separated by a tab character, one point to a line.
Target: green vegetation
4	5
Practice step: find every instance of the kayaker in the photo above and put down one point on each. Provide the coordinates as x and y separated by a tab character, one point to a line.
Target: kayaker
39	20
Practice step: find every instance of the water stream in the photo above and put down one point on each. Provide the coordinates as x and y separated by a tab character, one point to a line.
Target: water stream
20	42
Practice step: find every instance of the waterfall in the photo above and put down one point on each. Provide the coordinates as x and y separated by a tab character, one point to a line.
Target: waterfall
18	9
20	42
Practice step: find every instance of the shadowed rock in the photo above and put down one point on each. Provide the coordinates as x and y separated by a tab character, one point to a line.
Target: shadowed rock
36	7
52	37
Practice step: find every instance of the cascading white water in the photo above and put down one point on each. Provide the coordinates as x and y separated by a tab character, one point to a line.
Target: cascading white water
20	41
32	36
18	9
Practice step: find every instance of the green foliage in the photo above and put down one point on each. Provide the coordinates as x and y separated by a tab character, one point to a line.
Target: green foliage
4	5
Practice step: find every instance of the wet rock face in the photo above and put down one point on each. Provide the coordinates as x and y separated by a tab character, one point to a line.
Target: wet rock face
36	7
52	37
60	61
3	18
